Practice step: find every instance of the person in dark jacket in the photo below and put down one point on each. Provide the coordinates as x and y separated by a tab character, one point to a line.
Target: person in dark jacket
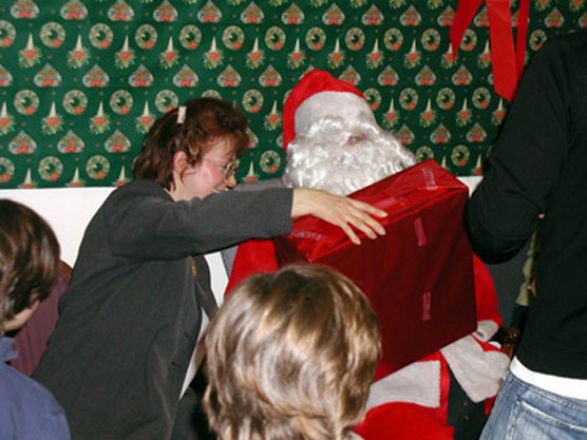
123	353
29	259
537	170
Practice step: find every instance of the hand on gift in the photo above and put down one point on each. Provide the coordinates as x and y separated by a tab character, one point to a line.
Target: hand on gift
346	213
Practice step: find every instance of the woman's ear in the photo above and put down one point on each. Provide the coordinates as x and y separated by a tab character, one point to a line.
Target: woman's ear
180	162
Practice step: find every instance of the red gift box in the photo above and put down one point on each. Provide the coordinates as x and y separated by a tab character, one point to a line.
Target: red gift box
418	277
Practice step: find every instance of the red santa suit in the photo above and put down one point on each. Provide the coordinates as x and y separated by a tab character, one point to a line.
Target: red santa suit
411	403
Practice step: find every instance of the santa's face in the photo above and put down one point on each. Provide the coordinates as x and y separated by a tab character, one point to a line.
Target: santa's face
342	156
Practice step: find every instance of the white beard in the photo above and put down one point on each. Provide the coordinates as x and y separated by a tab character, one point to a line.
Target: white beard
342	158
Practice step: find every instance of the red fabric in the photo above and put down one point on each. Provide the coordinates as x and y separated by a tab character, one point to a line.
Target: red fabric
252	257
506	63
403	421
523	13
31	340
418	277
503	58
313	82
489	402
465	12
408	421
444	389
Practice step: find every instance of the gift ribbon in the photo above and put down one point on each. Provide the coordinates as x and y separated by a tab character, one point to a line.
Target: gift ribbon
507	63
523	14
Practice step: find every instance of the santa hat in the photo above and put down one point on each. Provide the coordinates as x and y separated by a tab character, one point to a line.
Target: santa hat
316	95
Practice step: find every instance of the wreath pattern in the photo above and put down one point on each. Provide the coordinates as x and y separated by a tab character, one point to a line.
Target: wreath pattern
89	78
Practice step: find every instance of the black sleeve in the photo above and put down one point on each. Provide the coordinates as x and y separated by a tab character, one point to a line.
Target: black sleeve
148	227
527	158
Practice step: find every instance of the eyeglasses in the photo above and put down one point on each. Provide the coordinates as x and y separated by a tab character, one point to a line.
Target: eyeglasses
229	169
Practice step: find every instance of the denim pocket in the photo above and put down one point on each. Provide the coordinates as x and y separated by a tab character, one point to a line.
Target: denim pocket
540	418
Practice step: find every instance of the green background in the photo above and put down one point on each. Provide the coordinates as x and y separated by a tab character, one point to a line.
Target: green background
394	51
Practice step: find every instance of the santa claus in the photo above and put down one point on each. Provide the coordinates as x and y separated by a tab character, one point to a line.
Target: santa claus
334	143
332	139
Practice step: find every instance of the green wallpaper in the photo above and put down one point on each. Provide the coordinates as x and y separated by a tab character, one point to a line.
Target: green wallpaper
81	81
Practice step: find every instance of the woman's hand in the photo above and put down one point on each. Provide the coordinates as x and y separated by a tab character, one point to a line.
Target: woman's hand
348	214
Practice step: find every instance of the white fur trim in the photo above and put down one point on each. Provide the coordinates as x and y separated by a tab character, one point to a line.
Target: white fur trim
345	105
486	329
479	373
417	383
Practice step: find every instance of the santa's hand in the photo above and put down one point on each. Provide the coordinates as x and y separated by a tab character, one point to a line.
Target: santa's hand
348	214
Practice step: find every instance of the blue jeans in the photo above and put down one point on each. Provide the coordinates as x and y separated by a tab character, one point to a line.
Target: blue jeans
523	411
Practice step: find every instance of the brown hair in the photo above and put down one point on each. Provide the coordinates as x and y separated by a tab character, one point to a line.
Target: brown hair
29	259
291	355
206	119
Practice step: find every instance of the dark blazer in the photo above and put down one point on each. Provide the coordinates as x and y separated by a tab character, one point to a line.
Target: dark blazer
131	316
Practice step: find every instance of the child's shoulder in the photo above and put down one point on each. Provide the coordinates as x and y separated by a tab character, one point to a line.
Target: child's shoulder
28	408
23	391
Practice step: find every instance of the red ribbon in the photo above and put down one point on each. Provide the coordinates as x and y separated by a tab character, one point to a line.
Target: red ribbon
523	15
507	63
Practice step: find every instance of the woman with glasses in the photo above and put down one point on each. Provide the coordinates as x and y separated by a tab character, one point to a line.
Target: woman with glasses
123	353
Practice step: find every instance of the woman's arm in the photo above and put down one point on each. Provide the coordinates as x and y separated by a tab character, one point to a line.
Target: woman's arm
143	226
346	213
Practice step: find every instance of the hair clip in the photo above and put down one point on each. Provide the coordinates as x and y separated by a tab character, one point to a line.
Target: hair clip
181	114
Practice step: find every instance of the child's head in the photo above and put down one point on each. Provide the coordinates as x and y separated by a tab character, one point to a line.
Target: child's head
291	355
29	261
192	129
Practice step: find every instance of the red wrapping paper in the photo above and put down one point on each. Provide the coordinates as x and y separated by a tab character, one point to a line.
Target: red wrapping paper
418	277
